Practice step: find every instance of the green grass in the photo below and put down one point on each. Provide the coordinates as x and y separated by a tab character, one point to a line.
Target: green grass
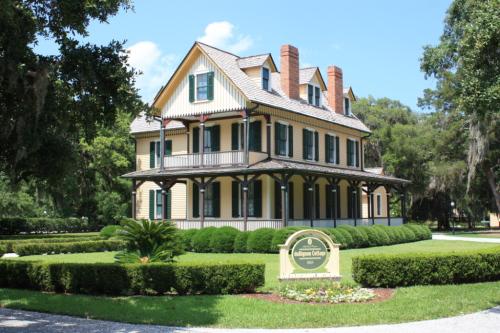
408	304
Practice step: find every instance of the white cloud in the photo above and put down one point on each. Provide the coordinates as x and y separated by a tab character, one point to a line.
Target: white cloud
154	65
222	34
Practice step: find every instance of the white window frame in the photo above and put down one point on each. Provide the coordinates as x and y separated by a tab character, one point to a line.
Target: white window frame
269	78
313	131
356	157
287	145
379	207
157	153
334	148
196	100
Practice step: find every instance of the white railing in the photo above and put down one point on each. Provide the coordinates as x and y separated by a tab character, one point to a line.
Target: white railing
330	223
221	158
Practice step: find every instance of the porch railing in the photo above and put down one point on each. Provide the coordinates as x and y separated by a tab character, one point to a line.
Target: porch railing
220	158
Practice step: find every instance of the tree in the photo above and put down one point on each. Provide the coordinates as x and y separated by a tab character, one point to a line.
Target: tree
466	64
48	103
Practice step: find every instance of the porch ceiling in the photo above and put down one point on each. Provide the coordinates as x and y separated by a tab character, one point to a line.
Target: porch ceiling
269	166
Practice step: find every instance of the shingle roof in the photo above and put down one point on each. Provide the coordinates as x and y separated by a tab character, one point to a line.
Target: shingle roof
273	165
306	74
141	124
228	63
252	61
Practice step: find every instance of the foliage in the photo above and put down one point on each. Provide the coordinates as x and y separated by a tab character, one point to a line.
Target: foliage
149	241
78	246
115	279
240	242
260	240
359	238
187	238
109	231
10	244
201	240
281	235
420	269
325	292
17	225
222	240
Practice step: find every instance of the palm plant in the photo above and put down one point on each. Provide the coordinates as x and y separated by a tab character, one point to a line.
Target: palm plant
148	241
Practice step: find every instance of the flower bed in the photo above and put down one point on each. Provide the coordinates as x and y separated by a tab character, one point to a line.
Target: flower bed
333	292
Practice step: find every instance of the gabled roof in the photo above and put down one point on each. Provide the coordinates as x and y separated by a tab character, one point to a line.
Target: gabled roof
349	93
228	64
142	124
256	61
307	74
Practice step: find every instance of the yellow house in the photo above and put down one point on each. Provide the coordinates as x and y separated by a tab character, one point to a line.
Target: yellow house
238	143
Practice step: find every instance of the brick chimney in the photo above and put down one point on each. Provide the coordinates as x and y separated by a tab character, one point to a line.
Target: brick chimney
290	71
335	89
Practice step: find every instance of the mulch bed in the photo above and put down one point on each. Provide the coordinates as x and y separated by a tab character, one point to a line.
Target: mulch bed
381	294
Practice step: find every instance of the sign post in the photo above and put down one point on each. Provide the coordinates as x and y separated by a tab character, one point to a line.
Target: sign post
309	254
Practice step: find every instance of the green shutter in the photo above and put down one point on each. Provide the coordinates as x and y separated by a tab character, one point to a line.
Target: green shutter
349	152
216	191
304	143
357	153
191	88
290	140
290	200
327	148
151	204
257	199
276	136
169	204
215	133
210	88
152	154
349	203
196	140
196	200
234	136
235	199
337	150
168	147
277	200
256	136
316	146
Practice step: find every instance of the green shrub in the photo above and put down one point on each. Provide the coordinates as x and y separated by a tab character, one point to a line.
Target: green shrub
260	240
116	279
108	231
187	238
337	237
359	238
10	244
17	225
389	232
422	232
382	238
423	269
201	240
346	235
240	242
280	237
3	249
371	235
26	249
409	235
222	240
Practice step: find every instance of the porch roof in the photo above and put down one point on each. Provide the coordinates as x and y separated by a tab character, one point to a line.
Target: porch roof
266	167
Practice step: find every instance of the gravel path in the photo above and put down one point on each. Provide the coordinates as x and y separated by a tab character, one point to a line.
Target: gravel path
33	322
466	239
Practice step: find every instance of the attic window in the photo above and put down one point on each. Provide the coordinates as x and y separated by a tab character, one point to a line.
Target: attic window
265	78
313	95
347	106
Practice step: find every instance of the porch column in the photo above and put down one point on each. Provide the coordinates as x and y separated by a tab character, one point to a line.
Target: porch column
284	210
245	202
202	141
335	208
162	144
388	204
355	208
164	204
372	206
202	204
134	188
246	140
268	135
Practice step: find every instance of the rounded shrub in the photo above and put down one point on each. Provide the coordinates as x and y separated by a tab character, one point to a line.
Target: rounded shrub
240	242
337	237
260	240
222	240
187	238
408	234
281	235
108	231
373	239
360	240
201	240
348	240
388	231
418	230
399	234
382	238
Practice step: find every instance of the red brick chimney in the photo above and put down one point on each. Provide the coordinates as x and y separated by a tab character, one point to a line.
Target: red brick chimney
335	89
290	71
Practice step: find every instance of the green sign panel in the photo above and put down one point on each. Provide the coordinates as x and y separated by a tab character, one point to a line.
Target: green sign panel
309	253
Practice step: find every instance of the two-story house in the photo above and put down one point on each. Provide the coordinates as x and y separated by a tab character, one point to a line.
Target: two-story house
237	142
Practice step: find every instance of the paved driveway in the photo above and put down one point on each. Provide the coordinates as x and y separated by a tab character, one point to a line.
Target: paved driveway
466	239
16	321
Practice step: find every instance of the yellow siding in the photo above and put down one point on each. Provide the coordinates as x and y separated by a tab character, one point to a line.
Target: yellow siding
255	73
383	209
179	146
226	95
178	192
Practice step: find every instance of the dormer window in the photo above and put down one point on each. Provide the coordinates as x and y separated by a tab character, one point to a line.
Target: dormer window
265	78
201	87
313	95
347	106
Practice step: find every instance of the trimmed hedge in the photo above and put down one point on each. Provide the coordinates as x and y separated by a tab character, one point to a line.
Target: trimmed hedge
187	238
17	225
10	245
26	249
222	240
109	231
115	279
201	240
424	269
240	242
260	240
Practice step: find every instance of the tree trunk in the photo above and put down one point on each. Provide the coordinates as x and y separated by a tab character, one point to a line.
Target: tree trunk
490	175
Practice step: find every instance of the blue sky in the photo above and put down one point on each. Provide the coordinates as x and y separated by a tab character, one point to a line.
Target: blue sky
377	43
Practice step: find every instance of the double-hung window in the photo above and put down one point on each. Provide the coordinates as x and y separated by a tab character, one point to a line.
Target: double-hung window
309	145
282	139
313	95
202	87
347	106
158	205
265	78
352	152
155	152
379	204
331	148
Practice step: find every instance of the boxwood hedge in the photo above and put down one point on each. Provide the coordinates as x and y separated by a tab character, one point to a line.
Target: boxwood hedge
17	225
26	249
137	279
424	269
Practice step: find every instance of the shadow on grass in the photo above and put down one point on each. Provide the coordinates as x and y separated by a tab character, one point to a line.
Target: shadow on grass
164	310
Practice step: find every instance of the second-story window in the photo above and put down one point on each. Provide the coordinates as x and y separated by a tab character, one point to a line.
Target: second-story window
154	152
310	147
316	96
283	139
332	153
347	106
265	78
352	152
202	87
313	95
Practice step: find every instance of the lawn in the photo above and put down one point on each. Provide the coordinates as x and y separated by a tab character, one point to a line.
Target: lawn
408	304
